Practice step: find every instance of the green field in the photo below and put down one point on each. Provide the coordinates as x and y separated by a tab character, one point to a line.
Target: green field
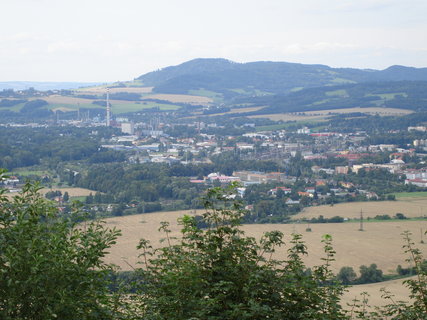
387	96
403	195
217	97
134	107
340	93
116	108
26	172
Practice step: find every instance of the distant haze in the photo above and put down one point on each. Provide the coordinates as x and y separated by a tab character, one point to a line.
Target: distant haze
44	86
106	41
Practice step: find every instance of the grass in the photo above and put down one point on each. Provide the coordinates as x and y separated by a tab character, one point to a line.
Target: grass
405	195
342	81
180	98
387	96
216	96
296	89
26	172
118	108
340	93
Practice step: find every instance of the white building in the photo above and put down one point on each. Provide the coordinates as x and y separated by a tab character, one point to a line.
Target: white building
128	127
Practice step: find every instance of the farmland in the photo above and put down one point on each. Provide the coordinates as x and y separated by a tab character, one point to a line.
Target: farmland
72	192
322	114
380	243
396	287
70	103
411	207
181	98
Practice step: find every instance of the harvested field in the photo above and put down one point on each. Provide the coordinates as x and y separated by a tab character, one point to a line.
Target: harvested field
322	114
288	117
396	287
57	99
181	98
381	243
73	192
378	110
410	207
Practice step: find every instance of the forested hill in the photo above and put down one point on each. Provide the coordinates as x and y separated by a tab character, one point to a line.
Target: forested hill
231	78
393	94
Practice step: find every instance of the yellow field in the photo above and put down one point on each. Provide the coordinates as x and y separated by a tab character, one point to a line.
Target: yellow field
381	242
235	110
67	100
288	117
396	287
57	99
72	192
321	114
181	98
378	110
410	207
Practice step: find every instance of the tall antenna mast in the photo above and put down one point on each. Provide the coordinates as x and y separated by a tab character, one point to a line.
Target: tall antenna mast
361	220
108	108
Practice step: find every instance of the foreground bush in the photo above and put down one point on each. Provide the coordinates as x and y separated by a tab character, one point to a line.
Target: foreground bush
219	273
49	267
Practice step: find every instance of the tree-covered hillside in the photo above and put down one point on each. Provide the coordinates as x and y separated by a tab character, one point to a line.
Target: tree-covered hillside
393	94
226	77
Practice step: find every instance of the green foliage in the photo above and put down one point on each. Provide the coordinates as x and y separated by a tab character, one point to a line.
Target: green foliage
220	273
346	275
416	309
49	267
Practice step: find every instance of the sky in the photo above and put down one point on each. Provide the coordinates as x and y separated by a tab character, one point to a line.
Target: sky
119	40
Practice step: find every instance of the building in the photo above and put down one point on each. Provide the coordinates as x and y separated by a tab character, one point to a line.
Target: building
128	128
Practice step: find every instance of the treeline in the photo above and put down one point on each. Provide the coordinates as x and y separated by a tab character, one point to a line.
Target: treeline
372	274
375	123
23	147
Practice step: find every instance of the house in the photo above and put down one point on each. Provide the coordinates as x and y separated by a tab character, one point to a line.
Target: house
346	185
341	169
422	183
305	194
310	190
273	192
221	178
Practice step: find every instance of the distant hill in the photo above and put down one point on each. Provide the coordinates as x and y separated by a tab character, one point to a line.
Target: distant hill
44	86
392	94
233	79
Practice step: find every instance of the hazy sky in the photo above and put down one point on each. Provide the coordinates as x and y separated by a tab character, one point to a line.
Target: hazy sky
110	40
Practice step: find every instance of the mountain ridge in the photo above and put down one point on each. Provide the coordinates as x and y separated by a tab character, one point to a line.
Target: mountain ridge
221	75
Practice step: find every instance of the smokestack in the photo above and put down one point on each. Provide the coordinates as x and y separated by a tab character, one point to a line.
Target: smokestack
107	122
